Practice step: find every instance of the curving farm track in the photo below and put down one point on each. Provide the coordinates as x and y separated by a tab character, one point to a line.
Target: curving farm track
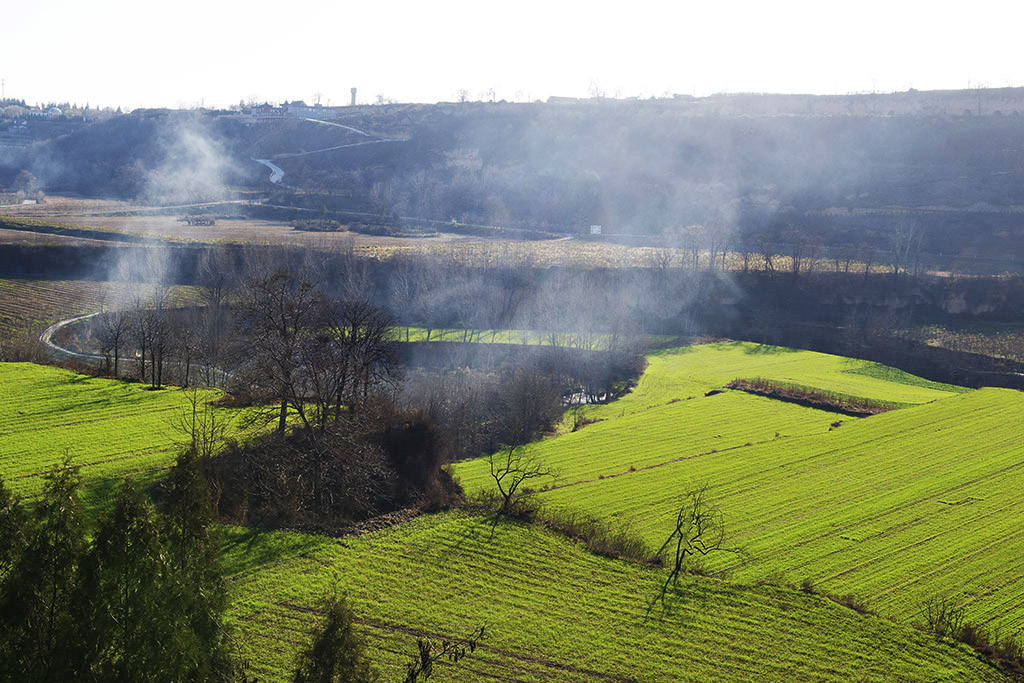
47	340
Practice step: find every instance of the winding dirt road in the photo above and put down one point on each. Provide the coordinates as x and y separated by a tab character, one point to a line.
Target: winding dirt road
47	340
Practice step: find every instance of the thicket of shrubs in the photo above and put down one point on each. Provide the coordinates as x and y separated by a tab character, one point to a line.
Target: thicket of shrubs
318	225
854	406
370	464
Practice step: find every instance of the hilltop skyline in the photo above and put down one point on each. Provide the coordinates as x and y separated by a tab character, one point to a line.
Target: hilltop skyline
116	53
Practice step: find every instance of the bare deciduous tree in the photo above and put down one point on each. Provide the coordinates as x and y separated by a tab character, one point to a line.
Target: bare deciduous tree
113	331
278	312
699	530
511	467
430	653
200	423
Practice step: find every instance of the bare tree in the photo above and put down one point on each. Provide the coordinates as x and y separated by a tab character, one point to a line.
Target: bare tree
745	254
698	531
278	312
511	467
349	358
905	242
200	423
430	653
113	331
797	242
403	288
767	251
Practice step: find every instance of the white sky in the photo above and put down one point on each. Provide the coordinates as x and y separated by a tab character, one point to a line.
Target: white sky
133	53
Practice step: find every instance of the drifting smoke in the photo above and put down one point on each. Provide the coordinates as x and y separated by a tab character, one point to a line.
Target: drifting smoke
195	166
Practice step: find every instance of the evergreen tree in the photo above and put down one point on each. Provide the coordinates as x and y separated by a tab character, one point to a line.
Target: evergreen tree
193	550
142	602
135	622
13	537
13	531
40	596
336	653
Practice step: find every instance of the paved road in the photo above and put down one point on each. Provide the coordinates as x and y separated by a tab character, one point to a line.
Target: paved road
277	173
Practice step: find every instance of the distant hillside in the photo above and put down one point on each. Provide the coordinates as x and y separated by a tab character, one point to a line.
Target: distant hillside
944	167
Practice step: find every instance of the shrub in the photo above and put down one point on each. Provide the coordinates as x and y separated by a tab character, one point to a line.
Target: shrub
816	398
601	537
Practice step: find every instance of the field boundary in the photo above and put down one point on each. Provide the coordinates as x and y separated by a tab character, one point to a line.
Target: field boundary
845	404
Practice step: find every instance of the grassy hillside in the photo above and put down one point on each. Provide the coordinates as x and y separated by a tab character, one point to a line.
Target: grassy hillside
110	428
895	508
553	611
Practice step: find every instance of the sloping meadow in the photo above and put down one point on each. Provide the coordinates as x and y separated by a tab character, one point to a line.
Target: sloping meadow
112	429
897	509
553	611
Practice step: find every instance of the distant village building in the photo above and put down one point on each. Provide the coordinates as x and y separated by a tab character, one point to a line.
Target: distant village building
263	113
595	229
40	113
300	110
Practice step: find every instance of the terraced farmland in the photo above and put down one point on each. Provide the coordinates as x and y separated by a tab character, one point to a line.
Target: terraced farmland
894	508
553	611
111	428
857	509
27	303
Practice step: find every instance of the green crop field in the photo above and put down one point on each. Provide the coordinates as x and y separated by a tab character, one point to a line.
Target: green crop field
860	507
110	428
691	371
554	611
895	508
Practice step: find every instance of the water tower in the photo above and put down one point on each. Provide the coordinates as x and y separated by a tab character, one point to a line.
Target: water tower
353	97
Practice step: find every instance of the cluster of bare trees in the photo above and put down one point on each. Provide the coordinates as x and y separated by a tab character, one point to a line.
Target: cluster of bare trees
318	356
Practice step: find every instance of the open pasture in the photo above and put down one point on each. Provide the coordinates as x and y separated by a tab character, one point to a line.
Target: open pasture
112	429
894	508
553	611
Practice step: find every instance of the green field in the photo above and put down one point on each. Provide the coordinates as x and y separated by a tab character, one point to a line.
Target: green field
553	611
894	508
112	429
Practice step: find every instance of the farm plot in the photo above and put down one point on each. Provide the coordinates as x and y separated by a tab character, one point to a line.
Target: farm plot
669	416
693	370
521	337
553	611
28	303
895	508
112	429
